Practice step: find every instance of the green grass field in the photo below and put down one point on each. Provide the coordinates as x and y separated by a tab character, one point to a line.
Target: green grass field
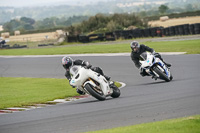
18	92
190	46
182	125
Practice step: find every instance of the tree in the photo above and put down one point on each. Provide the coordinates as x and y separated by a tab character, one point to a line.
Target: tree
111	26
28	27
8	27
12	25
142	14
163	8
28	20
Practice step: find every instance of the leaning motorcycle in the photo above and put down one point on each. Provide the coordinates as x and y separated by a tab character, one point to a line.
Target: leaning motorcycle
93	83
155	67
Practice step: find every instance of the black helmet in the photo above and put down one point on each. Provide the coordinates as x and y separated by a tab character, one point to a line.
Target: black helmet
67	62
135	46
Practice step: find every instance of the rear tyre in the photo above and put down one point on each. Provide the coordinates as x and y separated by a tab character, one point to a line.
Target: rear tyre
94	93
161	74
116	92
171	77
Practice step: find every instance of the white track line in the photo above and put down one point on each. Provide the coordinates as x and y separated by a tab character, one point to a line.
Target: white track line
105	54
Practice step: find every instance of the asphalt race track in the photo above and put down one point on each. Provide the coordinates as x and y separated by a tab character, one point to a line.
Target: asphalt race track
142	99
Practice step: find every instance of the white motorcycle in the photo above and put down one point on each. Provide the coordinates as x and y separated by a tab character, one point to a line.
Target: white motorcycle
155	67
93	83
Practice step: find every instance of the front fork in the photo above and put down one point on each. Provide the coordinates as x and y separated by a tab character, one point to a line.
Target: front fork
155	74
164	70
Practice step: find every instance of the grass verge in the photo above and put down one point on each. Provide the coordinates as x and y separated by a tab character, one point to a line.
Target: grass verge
18	92
182	125
189	46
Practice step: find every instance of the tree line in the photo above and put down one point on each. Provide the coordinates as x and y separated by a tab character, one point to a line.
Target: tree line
100	23
25	24
107	23
78	24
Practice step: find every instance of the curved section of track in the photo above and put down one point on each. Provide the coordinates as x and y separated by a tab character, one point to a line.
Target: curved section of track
142	99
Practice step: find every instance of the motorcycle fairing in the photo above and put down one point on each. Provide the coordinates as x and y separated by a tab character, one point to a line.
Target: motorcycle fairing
80	77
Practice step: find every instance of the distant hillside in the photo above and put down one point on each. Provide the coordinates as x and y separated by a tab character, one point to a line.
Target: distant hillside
107	6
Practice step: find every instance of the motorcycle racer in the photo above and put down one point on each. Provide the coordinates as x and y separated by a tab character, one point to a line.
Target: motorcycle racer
68	62
137	49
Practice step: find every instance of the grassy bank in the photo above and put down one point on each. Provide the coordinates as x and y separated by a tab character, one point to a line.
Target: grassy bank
182	125
18	92
189	46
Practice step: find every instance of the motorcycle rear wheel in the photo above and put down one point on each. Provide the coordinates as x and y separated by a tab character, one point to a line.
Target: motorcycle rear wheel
116	92
94	93
161	74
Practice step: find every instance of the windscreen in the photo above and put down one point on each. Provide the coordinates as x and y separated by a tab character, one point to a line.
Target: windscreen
74	70
143	56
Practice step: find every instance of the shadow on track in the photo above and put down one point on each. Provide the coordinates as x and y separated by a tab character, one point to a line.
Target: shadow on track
152	83
94	101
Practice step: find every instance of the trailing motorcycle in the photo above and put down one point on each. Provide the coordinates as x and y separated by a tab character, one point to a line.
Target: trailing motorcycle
93	83
155	67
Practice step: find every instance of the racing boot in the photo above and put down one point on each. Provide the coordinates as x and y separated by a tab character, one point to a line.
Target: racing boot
167	64
154	77
112	84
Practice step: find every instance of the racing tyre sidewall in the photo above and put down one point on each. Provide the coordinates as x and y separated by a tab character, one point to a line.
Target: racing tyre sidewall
93	93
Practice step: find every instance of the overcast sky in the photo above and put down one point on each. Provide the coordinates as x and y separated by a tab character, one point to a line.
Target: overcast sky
22	3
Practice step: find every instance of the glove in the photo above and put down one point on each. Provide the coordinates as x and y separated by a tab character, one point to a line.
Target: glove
73	86
141	69
87	65
142	74
155	54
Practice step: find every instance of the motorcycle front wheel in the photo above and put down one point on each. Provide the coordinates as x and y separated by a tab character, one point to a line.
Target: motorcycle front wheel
94	93
161	74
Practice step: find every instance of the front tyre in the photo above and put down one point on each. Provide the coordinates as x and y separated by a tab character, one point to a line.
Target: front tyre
161	74
94	93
